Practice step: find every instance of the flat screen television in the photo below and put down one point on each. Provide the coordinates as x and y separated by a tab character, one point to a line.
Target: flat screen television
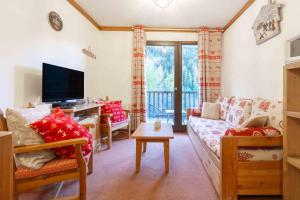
61	84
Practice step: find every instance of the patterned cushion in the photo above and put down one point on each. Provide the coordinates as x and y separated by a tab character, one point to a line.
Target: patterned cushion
114	108
18	121
58	126
263	131
239	111
274	109
224	103
54	166
196	112
210	131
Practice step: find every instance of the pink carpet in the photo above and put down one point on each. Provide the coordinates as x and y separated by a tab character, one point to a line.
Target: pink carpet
114	176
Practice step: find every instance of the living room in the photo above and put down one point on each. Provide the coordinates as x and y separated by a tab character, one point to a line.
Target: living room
215	82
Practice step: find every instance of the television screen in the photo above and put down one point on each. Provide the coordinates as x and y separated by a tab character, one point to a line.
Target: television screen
61	84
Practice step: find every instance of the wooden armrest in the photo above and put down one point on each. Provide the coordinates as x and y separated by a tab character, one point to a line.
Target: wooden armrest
88	126
50	145
254	141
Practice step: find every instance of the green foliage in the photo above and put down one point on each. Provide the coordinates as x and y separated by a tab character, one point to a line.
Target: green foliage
160	68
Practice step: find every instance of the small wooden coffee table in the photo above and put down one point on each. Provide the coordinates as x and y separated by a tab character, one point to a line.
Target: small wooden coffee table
146	133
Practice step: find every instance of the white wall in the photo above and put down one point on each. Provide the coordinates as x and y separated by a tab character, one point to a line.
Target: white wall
113	75
250	70
27	40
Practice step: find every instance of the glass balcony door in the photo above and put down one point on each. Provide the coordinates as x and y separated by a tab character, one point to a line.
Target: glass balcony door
160	81
172	81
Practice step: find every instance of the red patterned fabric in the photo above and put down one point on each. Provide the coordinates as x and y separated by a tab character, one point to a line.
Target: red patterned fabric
210	59
196	112
54	166
138	107
115	109
58	126
265	131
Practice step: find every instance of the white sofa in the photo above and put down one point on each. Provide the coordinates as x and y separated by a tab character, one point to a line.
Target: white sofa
208	138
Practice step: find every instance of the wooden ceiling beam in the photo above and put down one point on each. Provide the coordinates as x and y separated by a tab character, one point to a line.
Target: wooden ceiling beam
241	11
115	28
83	12
147	29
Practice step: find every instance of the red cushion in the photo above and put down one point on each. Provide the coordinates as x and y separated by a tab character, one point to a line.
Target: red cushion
115	109
58	126
196	112
264	131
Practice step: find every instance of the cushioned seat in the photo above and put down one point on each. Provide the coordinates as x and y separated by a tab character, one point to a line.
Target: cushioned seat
51	167
210	131
119	123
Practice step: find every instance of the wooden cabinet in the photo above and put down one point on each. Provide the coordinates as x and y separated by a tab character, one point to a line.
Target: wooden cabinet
291	169
6	166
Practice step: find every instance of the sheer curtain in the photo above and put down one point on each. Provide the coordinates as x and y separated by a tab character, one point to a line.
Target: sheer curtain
210	61
138	107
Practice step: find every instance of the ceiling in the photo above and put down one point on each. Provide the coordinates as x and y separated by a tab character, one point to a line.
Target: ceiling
180	14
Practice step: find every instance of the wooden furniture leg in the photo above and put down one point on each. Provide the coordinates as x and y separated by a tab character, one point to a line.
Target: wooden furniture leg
229	169
144	147
6	166
129	129
109	139
138	155
166	154
82	171
90	164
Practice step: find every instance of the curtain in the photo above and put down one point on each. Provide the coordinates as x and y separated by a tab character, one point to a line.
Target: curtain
138	107
210	60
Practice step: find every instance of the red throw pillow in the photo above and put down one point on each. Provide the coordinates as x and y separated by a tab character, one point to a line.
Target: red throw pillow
58	126
115	109
196	112
253	131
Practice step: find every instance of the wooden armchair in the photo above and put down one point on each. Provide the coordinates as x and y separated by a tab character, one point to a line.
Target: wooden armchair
55	171
109	127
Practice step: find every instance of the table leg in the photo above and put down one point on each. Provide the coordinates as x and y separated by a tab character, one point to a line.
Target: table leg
144	147
138	155
166	154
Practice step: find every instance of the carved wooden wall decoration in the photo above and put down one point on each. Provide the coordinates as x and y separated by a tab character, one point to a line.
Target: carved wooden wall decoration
267	23
88	52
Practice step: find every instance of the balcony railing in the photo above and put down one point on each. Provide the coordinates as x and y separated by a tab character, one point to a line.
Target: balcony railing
160	104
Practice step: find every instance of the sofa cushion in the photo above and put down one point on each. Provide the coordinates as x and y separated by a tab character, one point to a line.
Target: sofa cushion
210	131
58	126
255	121
254	131
55	166
239	111
114	108
196	112
274	109
18	122
210	110
224	104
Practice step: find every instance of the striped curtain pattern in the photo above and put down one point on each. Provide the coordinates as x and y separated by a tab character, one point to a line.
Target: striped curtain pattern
138	107
210	60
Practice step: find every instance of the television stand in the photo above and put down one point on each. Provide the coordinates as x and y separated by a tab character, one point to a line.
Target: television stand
64	105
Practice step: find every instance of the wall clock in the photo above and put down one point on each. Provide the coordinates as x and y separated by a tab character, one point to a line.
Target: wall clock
55	21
